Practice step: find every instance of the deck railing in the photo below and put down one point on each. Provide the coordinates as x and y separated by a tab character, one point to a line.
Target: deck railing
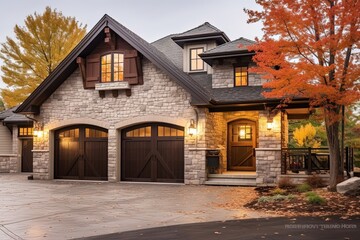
311	160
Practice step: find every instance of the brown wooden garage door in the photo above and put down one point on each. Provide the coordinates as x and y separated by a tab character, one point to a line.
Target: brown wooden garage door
153	152
81	152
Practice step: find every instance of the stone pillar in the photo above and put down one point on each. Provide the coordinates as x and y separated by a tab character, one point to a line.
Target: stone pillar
113	163
268	154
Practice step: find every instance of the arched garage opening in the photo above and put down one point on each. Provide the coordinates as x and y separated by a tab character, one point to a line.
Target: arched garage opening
153	152
81	152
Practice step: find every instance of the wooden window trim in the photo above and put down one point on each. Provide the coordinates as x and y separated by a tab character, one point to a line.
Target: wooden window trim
247	75
203	65
112	66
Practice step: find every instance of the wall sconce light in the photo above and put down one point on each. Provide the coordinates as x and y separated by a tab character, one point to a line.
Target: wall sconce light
38	129
192	128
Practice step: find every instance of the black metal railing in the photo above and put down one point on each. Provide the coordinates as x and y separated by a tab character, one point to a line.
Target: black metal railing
312	160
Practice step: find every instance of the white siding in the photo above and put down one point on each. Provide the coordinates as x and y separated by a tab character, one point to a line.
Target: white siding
5	140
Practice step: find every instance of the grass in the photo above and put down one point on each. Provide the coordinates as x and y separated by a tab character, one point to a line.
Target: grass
315	199
303	187
277	197
277	191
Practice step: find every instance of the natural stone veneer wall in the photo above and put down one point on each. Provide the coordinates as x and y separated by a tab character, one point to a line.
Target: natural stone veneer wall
159	96
223	75
217	130
268	154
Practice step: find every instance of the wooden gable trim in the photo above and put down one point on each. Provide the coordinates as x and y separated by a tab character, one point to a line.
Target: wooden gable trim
81	62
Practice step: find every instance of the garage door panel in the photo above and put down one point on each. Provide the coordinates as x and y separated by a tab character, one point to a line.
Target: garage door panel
137	164
95	154
155	155
172	153
68	157
81	153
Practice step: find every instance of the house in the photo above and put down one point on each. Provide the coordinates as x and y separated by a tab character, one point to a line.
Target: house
16	138
118	108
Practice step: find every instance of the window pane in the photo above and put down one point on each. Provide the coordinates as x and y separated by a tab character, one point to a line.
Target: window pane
130	134
173	132
200	64
148	131
160	131
167	131
21	131
142	132
180	133
193	54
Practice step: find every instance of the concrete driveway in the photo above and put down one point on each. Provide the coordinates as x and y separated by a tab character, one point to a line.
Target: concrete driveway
67	209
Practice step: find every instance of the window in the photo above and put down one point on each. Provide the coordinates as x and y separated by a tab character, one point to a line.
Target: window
169	132
241	76
112	67
139	132
93	133
241	133
196	63
25	131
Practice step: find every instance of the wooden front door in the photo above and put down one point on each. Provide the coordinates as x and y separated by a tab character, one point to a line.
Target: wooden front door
81	152
27	155
241	145
153	152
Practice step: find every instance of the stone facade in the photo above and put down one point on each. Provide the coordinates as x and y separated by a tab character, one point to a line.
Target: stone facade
159	98
268	154
223	75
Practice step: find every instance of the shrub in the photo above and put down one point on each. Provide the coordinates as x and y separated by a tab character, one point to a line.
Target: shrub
303	187
310	194
265	199
315	181
315	199
291	197
285	182
277	191
279	197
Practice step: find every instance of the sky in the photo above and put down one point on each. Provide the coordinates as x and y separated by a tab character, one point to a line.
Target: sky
150	19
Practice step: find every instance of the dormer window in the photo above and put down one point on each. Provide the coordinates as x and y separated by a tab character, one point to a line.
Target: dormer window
112	67
241	76
196	63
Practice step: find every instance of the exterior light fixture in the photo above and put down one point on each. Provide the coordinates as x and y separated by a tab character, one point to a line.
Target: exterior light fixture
38	129
192	128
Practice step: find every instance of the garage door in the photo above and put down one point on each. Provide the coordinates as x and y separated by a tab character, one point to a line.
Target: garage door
153	152
81	153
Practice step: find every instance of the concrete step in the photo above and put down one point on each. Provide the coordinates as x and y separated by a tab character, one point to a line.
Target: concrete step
232	176
231	181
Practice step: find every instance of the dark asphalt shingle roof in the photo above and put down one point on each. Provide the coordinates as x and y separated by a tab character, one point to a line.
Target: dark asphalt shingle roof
171	50
8	116
240	44
236	94
202	29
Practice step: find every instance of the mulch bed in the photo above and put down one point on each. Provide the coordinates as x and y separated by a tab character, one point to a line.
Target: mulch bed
336	204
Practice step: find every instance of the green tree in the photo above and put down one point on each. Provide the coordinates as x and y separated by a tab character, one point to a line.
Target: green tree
38	48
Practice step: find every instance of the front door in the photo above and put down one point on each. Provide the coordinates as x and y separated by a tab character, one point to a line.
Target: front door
241	145
81	152
27	155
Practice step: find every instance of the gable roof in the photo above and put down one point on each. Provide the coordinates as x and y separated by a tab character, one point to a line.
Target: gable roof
68	65
234	48
171	50
9	117
203	32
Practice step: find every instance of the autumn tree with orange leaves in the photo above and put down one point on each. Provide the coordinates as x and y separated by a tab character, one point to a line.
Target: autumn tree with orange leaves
310	49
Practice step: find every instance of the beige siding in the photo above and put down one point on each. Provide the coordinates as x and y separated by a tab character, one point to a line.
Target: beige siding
5	140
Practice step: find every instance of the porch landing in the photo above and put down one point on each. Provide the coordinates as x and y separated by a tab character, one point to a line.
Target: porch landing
232	178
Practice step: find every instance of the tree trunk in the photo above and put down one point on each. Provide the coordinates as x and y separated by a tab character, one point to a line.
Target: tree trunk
332	131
